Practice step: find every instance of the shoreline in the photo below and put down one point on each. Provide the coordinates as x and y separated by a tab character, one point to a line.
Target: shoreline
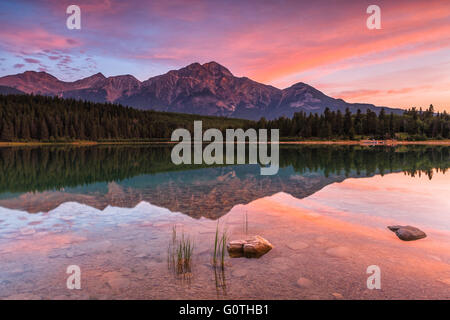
364	143
306	142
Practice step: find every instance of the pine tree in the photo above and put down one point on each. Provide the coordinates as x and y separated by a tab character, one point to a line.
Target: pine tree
7	132
25	130
43	130
348	123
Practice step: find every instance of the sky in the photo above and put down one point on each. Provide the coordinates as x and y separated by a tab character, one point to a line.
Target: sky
326	44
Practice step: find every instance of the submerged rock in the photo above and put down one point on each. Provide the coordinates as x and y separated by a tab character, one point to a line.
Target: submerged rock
253	247
297	245
115	280
337	296
445	281
339	252
304	282
407	233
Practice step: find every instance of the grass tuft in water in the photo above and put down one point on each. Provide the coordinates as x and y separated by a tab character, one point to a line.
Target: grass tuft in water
220	247
180	251
245	224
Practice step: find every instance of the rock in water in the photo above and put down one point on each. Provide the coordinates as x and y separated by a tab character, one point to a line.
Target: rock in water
236	246
407	233
304	282
253	247
257	246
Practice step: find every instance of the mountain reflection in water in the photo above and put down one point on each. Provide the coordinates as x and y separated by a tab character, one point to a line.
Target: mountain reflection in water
38	179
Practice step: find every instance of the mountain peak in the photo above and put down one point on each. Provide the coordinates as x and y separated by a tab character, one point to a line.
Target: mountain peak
192	66
211	67
88	81
216	68
41	74
98	75
298	85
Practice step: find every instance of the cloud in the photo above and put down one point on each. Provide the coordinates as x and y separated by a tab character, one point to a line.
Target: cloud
31	60
364	93
32	40
18	65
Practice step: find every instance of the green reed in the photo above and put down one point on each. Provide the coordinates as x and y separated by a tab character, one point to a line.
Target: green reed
180	253
220	246
245	224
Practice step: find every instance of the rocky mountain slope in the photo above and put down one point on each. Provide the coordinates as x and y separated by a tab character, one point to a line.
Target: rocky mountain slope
208	89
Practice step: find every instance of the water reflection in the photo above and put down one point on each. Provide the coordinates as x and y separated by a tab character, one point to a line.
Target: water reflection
112	210
40	179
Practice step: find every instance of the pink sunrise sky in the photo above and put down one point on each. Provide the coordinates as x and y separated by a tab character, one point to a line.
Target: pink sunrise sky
323	43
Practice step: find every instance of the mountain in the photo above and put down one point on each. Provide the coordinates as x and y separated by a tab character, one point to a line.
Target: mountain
106	89
9	90
208	89
45	84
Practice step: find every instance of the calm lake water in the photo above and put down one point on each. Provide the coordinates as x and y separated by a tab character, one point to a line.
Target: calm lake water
111	209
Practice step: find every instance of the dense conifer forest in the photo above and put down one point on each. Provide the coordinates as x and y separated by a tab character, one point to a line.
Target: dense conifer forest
30	118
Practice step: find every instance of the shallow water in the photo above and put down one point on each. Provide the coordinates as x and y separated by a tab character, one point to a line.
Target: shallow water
111	210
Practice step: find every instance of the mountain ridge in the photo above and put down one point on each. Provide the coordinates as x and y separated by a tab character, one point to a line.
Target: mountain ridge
205	89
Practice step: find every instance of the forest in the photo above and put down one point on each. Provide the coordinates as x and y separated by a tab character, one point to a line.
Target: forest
413	124
28	118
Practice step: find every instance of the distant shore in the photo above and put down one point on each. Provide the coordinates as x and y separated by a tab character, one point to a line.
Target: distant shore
306	142
369	143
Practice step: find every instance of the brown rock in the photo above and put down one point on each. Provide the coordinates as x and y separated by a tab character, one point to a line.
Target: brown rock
253	247
407	233
236	246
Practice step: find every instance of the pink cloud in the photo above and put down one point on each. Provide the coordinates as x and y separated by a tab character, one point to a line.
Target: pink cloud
364	93
34	40
31	60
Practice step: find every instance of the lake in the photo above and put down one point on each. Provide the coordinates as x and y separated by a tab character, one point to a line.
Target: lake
111	210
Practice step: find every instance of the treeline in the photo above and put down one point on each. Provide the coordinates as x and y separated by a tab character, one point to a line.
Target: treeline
40	118
413	124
